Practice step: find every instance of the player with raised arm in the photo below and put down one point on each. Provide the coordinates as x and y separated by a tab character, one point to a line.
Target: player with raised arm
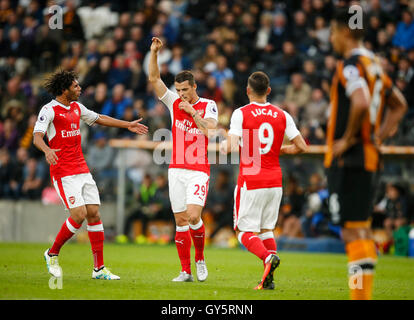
193	120
70	175
257	130
365	109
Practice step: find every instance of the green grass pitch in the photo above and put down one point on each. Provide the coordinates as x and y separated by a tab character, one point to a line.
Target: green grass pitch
146	272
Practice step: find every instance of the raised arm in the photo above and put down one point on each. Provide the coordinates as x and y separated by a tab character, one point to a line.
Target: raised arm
154	73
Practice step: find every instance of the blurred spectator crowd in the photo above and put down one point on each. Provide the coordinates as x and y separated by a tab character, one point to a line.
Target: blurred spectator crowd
107	44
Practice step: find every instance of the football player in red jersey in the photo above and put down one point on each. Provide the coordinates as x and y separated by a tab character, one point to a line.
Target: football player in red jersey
258	130
193	119
59	120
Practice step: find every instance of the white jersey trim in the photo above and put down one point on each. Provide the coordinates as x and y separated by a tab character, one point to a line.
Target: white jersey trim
291	131
236	123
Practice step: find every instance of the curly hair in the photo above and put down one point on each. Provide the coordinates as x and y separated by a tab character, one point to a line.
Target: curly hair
59	81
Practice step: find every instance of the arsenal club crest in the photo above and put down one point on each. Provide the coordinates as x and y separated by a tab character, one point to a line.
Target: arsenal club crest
72	199
201	112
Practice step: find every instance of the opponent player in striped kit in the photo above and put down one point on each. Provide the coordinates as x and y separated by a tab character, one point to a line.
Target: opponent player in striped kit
59	119
193	118
366	109
258	130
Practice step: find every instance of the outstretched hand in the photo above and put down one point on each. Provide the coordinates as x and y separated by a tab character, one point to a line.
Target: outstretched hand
51	157
137	127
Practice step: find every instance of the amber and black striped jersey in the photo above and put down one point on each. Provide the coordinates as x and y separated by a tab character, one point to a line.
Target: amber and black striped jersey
361	69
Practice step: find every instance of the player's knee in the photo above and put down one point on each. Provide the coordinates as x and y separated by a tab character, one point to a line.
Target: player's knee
93	214
194	219
181	220
94	217
79	216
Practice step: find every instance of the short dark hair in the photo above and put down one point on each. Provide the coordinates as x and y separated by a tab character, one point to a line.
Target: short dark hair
259	82
59	81
342	18
184	76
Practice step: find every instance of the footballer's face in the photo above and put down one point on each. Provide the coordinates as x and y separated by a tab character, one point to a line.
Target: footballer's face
338	36
74	91
186	91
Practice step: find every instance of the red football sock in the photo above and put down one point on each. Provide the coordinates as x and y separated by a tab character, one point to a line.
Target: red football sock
253	244
183	244
66	232
269	242
198	235
96	237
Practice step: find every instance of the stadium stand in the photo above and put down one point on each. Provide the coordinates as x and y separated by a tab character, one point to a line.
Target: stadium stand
107	44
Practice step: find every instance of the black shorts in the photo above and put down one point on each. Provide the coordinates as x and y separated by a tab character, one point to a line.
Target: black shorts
351	194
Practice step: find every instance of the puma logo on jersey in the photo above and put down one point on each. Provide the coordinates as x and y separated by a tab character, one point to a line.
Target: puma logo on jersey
264	112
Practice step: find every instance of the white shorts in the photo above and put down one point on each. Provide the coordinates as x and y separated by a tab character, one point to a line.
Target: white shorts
77	190
187	187
256	209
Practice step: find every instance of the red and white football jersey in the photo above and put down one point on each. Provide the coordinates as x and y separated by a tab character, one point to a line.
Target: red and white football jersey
189	143
61	125
262	128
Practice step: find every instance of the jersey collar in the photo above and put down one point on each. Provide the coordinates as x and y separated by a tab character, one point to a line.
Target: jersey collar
62	105
198	100
361	52
261	104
